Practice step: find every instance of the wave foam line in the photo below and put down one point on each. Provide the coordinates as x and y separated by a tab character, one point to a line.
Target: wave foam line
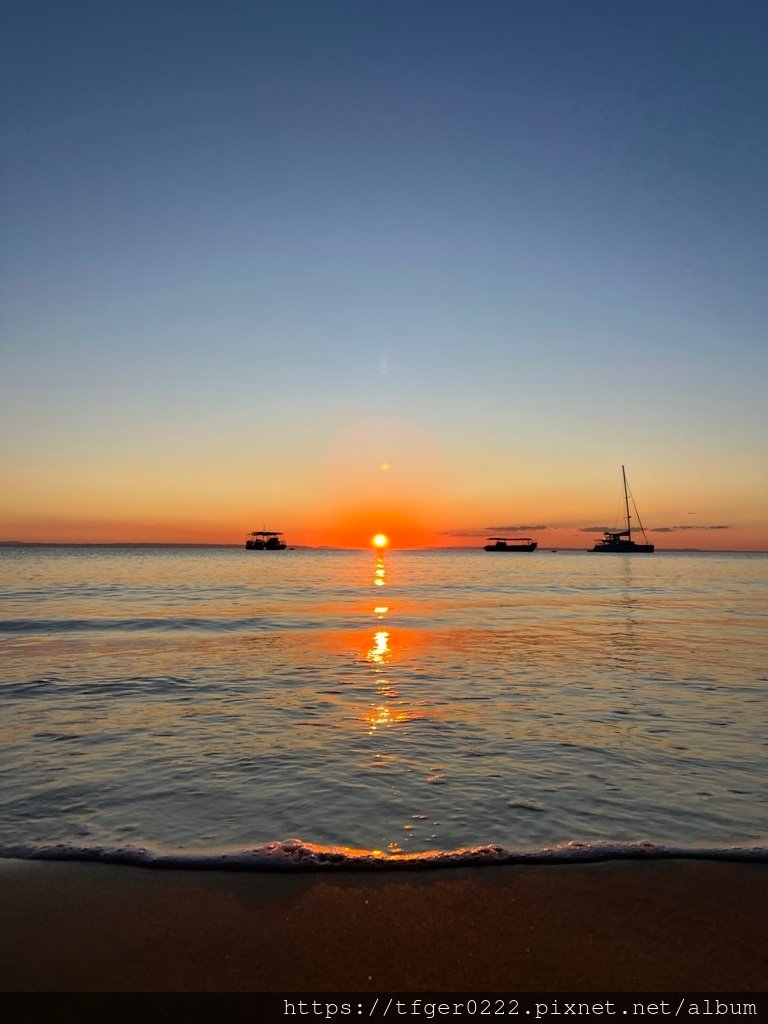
295	855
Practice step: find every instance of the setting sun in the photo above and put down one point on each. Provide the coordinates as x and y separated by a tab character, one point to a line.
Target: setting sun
380	540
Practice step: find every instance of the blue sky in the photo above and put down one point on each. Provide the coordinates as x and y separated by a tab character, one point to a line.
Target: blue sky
537	228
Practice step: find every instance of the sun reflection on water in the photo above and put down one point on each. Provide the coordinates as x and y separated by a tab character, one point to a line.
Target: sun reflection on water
379	717
380	652
379	571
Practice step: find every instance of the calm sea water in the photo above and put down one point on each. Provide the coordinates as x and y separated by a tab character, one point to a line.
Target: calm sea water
185	701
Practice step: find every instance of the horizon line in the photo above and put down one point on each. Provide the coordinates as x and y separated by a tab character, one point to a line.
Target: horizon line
327	547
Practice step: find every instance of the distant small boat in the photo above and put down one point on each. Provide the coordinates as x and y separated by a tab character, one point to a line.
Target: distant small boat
511	544
265	540
620	541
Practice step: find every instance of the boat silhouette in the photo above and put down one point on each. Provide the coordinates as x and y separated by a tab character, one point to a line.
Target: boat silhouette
265	540
620	541
511	544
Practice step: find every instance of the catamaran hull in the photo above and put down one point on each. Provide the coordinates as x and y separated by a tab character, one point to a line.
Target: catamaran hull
625	549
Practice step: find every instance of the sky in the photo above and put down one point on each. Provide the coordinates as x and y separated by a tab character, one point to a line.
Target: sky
425	267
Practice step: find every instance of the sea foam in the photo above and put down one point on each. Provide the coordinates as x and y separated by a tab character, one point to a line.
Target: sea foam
293	855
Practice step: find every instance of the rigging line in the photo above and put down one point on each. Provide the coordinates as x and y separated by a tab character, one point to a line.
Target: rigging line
620	516
637	514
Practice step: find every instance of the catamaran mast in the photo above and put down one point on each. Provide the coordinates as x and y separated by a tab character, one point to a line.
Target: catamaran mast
626	501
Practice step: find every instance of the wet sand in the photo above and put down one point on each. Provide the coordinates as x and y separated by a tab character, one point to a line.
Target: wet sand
615	927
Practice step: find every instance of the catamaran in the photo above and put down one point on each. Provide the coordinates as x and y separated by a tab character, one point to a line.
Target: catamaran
621	540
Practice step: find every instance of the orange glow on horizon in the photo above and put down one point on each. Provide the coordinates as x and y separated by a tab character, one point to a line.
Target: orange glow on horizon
380	473
554	519
112	531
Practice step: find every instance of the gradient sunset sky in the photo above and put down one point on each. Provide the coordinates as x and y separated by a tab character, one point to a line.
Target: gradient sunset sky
427	267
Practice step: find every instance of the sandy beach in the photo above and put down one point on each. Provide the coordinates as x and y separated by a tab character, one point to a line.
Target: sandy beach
617	926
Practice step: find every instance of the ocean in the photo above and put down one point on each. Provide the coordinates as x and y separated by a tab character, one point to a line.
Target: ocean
333	708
